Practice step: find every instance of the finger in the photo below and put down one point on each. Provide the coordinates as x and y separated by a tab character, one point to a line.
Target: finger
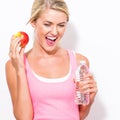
22	52
89	76
14	44
88	85
90	90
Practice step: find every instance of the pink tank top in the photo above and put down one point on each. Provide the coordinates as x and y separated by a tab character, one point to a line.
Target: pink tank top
53	99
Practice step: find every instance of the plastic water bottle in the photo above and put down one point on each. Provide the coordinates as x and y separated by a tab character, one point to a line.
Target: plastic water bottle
81	71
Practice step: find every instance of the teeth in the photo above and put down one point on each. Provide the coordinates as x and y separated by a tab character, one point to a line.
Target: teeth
51	38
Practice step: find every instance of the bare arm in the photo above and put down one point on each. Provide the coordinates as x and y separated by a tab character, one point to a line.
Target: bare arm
17	83
92	89
85	87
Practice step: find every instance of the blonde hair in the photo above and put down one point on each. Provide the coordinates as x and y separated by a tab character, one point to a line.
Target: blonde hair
40	5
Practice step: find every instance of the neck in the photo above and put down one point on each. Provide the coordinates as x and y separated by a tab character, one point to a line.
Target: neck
44	53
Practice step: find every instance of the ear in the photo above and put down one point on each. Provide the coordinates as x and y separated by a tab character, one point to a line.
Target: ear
33	24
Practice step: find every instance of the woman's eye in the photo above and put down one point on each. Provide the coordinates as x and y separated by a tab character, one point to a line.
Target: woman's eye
61	25
47	24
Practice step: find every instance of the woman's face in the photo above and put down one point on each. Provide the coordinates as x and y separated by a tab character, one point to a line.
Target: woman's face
49	29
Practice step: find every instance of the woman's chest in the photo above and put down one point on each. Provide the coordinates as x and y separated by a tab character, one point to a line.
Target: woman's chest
51	68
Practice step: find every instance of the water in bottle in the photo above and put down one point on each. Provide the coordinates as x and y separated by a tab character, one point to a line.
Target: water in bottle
81	71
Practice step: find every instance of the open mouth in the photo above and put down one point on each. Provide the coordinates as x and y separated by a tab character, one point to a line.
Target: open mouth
51	40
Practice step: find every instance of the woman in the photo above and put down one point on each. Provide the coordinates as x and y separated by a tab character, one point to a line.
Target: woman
41	81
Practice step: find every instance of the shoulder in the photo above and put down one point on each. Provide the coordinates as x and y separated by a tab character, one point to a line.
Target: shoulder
80	57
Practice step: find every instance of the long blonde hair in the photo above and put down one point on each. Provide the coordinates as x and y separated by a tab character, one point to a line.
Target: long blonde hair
40	5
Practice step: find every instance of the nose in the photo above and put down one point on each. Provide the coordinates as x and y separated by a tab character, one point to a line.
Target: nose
54	30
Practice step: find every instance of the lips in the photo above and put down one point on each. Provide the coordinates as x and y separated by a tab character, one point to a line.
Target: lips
50	40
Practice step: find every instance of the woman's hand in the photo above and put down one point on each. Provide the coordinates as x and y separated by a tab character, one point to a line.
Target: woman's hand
16	53
88	85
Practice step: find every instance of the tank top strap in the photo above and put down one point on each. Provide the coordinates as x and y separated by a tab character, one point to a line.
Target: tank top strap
73	61
26	62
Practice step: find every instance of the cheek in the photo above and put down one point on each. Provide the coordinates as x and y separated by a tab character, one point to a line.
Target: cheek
62	32
43	30
40	31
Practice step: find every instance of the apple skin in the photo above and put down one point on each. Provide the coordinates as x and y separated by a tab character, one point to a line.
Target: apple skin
24	38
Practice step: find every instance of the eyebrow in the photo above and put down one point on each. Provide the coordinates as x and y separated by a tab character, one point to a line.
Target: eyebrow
58	23
63	23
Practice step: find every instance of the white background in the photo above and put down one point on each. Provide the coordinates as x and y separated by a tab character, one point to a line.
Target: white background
93	30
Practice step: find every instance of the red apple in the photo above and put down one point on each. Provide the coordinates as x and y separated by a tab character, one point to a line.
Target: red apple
24	38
